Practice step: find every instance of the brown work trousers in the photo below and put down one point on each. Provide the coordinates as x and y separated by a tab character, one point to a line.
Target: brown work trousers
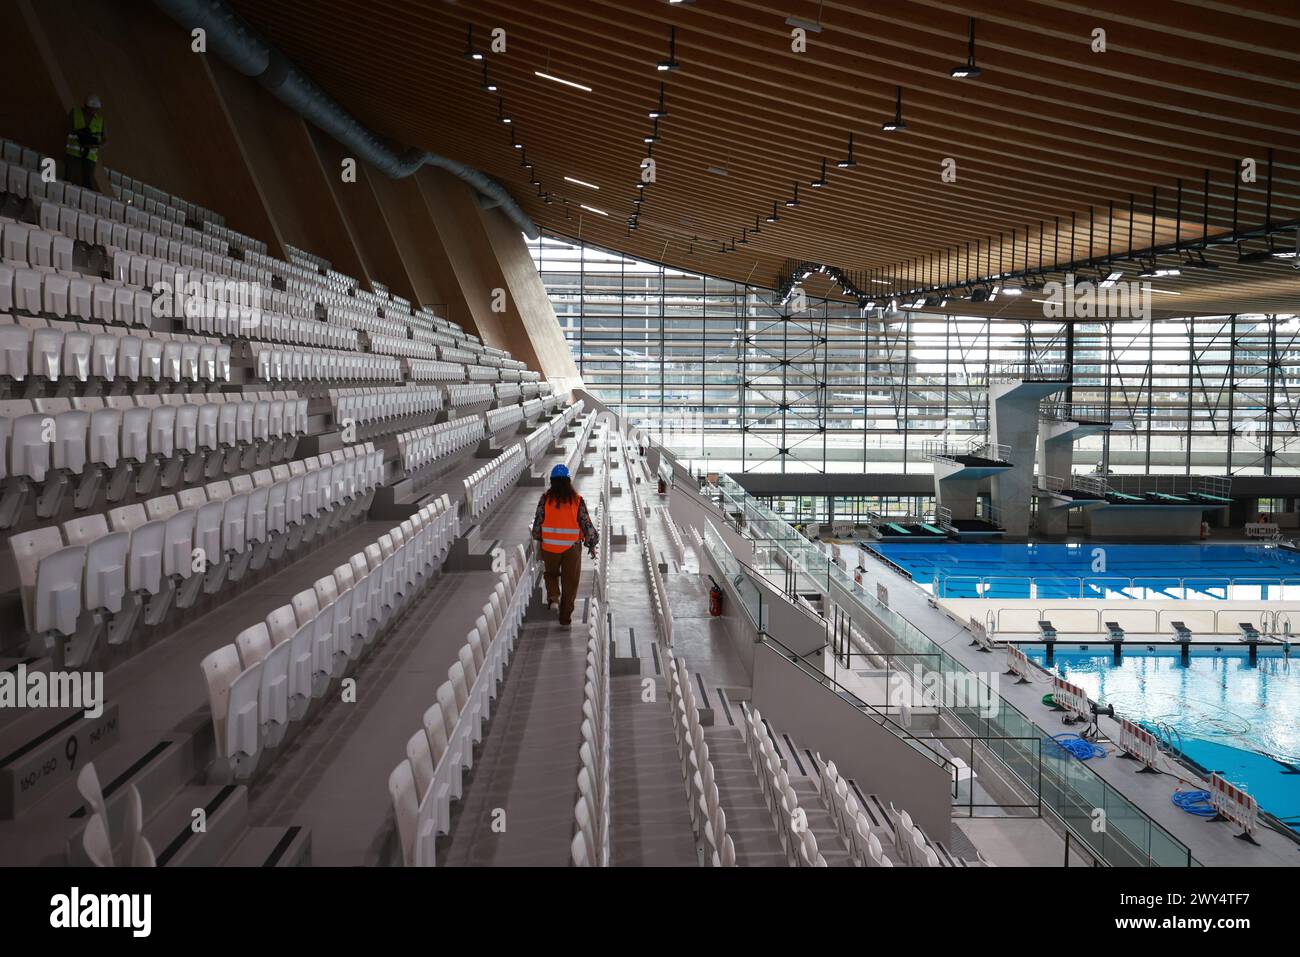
563	570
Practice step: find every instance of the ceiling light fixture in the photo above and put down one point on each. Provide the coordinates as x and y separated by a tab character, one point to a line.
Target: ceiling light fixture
671	63
773	218
581	182
470	52
756	229
821	180
556	79
501	111
794	200
812	26
487	85
848	162
653	135
593	209
897	123
1156	271
968	70
660	109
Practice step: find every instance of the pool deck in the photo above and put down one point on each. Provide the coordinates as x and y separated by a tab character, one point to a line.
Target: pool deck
1212	844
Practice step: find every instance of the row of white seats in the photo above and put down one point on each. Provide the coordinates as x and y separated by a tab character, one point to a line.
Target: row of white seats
188	210
269	676
423	786
533	407
509	392
215	317
789	819
465	356
143	440
274	363
434	370
708	819
402	346
490	482
72	295
232	237
112	235
24	245
378	404
503	418
537	442
100	571
460	394
477	373
57	349
850	820
348	315
421	446
590	846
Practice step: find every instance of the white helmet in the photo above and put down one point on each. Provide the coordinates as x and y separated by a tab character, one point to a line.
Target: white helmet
92	101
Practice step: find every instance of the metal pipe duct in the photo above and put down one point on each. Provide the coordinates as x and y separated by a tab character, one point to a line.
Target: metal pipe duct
248	52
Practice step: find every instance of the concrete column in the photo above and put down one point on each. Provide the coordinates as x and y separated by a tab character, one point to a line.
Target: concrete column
1014	414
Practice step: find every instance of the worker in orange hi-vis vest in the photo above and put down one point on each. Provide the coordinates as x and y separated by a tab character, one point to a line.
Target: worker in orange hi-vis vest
563	526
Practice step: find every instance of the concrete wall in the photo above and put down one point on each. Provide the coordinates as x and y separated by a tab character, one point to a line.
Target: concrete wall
878	760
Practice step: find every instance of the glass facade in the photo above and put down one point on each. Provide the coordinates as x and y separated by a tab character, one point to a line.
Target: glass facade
732	380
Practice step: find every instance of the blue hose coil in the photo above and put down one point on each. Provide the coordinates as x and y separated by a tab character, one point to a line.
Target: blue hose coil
1079	747
1194	802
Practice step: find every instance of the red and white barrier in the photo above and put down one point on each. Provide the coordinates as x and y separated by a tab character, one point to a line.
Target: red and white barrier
1234	804
1018	663
1139	742
1070	698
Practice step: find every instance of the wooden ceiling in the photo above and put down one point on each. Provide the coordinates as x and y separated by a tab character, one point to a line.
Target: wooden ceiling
1053	144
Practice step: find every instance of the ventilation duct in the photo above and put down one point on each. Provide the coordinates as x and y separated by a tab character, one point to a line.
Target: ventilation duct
247	51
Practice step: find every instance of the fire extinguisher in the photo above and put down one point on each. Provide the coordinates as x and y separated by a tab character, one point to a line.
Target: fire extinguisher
715	599
663	486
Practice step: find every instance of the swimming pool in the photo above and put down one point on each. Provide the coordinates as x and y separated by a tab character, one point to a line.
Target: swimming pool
960	570
1223	713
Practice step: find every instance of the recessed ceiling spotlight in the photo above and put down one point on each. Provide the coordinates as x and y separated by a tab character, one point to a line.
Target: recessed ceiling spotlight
821	180
557	79
968	70
470	52
897	123
671	63
848	162
581	182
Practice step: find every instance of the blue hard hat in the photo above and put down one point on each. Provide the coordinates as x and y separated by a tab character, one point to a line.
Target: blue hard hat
560	471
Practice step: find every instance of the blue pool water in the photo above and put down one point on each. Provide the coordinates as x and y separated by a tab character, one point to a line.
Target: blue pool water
1239	719
969	570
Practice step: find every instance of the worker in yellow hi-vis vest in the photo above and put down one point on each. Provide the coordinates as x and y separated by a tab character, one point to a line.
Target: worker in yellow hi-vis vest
86	134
